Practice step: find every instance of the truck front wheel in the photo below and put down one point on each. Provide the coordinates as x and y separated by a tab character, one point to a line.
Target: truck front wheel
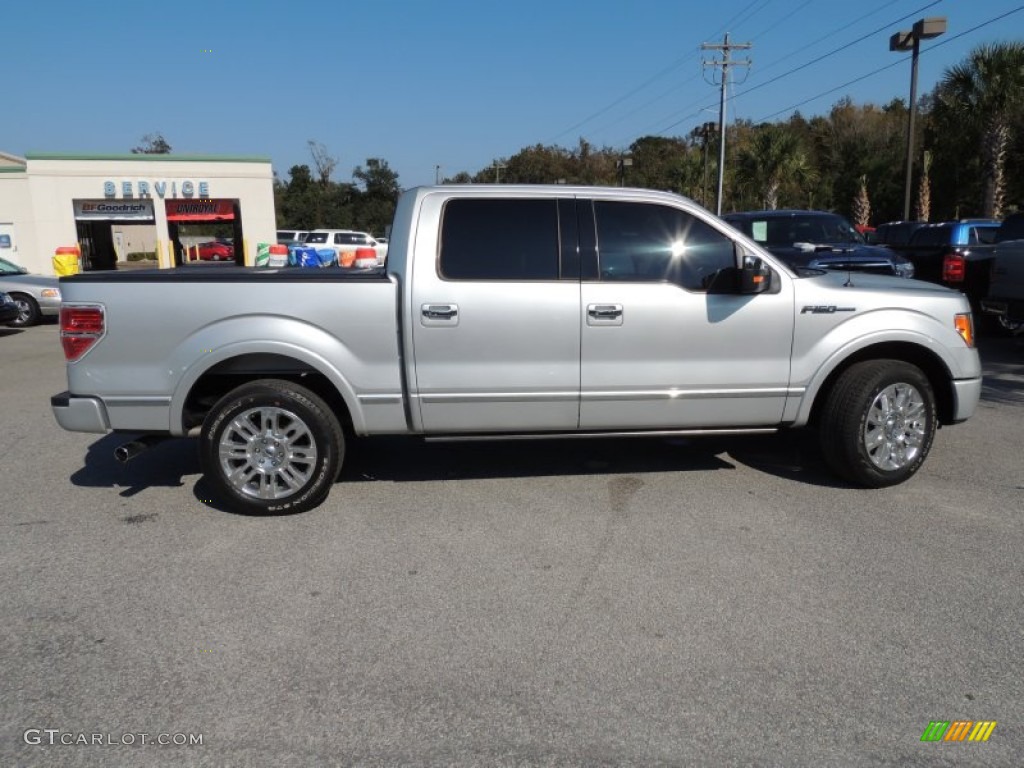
271	446
878	422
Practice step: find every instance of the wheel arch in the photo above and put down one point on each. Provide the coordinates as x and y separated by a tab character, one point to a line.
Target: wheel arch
934	368
190	406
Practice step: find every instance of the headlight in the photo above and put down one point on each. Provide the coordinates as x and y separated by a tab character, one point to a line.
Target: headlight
50	293
905	268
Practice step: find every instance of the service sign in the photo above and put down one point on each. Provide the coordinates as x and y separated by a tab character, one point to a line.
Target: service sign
117	210
162	188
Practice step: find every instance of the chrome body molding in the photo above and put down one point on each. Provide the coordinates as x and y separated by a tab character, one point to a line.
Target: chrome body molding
137	402
624	395
391	399
588	435
696	394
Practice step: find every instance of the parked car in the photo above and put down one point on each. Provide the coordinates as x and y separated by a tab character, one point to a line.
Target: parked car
1005	299
8	309
216	250
516	311
818	240
37	296
286	236
894	232
957	254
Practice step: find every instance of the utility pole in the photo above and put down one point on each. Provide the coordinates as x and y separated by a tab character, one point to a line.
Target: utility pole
706	130
726	48
497	171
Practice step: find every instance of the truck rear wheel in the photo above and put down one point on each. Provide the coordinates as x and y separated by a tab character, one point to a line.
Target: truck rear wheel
878	423
271	446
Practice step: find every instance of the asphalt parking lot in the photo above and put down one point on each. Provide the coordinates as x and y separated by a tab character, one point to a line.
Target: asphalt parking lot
644	602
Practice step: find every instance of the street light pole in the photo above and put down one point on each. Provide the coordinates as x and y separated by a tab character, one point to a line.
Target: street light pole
904	40
624	163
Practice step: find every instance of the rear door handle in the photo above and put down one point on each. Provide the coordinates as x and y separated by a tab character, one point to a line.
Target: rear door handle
605	311
604	314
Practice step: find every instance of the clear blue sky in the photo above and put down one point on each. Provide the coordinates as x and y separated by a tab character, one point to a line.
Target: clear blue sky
455	83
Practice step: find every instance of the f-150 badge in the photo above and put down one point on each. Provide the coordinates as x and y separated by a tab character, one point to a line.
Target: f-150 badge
826	309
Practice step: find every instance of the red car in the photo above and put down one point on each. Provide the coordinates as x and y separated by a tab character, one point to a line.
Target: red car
215	251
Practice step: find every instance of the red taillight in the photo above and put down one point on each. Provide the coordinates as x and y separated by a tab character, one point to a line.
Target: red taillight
953	268
80	328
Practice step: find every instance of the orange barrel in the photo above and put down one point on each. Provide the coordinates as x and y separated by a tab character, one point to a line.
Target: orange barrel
67	260
277	256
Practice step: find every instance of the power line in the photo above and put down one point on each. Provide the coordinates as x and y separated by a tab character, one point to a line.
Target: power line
812	61
887	66
834	51
675	65
843	28
658	76
783	20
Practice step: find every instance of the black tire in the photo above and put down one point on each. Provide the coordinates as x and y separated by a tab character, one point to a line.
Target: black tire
29	313
281	442
858	442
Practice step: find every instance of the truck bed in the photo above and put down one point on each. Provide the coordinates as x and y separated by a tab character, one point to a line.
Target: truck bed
164	327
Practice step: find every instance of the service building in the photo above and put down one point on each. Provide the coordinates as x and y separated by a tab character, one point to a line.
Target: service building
111	206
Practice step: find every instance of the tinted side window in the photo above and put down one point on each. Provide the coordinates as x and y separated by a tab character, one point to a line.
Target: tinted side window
986	235
932	236
496	239
652	243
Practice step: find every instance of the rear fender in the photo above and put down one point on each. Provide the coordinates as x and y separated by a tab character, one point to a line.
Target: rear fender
236	337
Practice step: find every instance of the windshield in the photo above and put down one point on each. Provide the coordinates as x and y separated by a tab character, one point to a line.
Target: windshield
810	228
10	268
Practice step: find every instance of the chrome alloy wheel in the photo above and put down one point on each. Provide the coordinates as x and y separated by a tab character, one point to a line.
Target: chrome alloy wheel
24	310
267	453
895	430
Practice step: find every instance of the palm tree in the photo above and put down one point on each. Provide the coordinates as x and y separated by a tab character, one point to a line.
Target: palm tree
861	209
772	159
924	189
987	91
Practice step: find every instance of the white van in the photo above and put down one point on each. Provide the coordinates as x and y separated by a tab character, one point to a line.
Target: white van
346	241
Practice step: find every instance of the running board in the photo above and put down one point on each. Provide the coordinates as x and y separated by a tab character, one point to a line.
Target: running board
566	435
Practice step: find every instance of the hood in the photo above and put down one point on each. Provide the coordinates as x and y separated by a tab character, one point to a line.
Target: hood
863	281
802	254
39	281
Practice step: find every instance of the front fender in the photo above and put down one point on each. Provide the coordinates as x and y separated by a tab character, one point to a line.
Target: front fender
816	358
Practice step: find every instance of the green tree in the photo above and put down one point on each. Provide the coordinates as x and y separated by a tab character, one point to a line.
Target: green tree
375	196
772	159
986	92
152	144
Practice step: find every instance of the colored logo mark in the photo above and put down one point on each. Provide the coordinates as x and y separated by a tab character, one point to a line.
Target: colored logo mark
958	730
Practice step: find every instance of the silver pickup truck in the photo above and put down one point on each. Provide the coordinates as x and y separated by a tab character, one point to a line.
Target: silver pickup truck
507	311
